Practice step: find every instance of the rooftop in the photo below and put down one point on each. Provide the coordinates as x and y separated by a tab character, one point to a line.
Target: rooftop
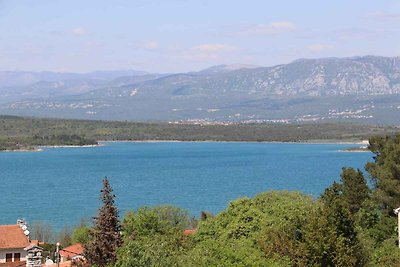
12	236
72	251
189	232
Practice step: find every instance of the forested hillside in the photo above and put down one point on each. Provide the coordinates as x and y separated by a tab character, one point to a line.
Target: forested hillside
25	133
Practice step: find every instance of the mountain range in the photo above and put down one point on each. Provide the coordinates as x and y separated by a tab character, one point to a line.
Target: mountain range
361	89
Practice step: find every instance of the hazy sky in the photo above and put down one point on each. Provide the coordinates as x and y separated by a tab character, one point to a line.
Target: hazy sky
188	35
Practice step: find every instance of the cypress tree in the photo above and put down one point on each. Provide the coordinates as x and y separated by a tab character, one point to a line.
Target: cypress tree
104	237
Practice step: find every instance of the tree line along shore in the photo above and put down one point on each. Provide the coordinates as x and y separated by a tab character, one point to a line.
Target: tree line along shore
352	223
22	133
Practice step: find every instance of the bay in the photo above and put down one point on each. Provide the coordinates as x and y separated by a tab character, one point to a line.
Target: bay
61	185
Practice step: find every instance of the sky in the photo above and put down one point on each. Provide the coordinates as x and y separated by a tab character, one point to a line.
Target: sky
190	35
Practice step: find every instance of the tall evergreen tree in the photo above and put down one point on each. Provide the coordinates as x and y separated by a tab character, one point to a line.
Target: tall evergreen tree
104	237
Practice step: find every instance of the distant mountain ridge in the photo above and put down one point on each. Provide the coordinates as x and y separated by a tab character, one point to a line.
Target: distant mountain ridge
227	68
368	75
24	78
363	89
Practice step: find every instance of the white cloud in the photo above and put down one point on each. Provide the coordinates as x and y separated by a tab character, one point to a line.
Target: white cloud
319	47
272	28
79	31
150	45
208	48
147	45
200	57
384	15
351	34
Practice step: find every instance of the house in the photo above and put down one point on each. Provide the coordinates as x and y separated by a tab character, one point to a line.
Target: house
13	240
74	252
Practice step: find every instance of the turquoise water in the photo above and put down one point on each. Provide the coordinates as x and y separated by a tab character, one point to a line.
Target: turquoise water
61	185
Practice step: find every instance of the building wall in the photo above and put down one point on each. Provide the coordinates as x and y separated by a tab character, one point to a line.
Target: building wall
3	253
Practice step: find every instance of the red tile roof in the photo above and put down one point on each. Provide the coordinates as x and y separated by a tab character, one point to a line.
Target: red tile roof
189	232
12	236
72	251
14	264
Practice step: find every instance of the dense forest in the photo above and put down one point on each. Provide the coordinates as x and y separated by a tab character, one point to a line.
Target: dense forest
27	133
351	224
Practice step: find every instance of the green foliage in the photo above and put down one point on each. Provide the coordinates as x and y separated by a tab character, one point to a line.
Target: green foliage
225	254
249	230
271	229
388	254
154	237
80	235
235	237
375	226
353	190
158	250
385	171
341	203
204	215
157	220
330	238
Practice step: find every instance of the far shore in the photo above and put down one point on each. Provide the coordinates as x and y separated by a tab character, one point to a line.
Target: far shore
71	146
339	142
23	150
103	143
41	148
360	149
354	151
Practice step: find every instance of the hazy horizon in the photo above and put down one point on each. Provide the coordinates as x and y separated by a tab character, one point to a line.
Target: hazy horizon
197	70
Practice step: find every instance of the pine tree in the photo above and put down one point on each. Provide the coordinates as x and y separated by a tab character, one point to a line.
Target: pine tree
104	237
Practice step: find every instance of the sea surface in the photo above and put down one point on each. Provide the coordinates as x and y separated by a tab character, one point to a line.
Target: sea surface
61	185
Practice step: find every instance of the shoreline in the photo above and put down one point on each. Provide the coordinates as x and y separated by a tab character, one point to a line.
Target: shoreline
337	142
104	143
23	150
354	151
361	149
71	146
42	148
